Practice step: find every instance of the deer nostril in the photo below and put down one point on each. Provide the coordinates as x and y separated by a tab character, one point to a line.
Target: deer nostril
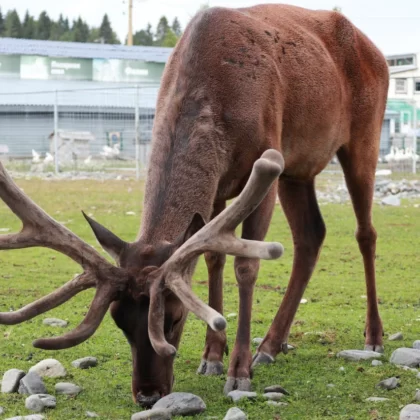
147	401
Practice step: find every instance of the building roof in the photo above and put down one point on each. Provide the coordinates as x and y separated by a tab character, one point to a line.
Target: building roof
83	50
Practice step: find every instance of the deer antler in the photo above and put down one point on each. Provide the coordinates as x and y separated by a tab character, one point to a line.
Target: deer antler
39	229
218	236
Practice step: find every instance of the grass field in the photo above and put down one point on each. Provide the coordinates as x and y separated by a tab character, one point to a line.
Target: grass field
331	321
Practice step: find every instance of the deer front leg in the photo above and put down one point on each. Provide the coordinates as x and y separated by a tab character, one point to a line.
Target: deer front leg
212	360
255	227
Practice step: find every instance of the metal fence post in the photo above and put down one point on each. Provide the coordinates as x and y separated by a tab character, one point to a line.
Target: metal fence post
57	169
137	134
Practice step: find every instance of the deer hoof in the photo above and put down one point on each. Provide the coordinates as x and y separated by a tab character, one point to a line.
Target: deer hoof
372	347
240	384
210	368
262	359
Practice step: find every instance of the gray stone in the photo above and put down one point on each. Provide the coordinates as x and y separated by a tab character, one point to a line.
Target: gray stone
55	322
91	414
238	395
416	345
418	375
390	383
85	362
410	412
376	399
342	369
276	403
396	337
67	388
356	355
10	381
257	341
232	315
275	388
32	384
1	411
417	396
181	404
376	363
235	413
406	357
49	368
391	200
273	396
30	417
157	414
38	402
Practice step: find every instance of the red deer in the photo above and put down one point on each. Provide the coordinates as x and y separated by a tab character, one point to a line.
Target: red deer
307	84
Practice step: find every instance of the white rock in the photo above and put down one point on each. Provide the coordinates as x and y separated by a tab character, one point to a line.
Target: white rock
342	369
235	413
276	403
417	396
49	368
396	337
416	345
231	315
390	383
406	357
257	341
410	412
152	415
55	322
1	411
391	200
30	417
181	404
10	381
38	402
376	399
67	388
91	414
356	355
85	362
304	301
238	395
376	363
273	396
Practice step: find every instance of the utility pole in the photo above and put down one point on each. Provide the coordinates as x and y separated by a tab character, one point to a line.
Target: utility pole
130	23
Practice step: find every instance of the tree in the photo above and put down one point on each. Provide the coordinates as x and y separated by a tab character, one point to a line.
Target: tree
337	9
43	26
106	33
28	27
170	39
12	25
176	28
161	30
80	31
1	23
144	36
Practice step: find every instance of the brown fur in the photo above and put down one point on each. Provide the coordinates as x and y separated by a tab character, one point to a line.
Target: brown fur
307	83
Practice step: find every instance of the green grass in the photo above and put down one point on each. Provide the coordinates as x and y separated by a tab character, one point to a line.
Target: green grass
334	315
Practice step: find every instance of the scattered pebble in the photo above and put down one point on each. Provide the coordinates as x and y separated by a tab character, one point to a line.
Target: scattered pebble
410	412
130	213
10	381
391	200
67	388
416	345
276	403
85	362
275	388
238	395
376	399
356	355
235	413
30	417
257	341
342	369
157	414
330	385
55	322
181	404
418	375
304	301
232	315
32	384
273	396
91	414
38	402
4	230
376	363
395	337
49	368
417	396
390	383
1	411
406	357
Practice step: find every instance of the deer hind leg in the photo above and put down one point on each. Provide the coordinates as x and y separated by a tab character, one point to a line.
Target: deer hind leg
359	170
255	227
212	359
300	206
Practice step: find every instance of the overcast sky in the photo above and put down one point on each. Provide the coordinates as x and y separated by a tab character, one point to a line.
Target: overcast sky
393	25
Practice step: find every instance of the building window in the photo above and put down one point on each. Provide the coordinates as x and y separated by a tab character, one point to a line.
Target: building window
402	61
417	85
400	85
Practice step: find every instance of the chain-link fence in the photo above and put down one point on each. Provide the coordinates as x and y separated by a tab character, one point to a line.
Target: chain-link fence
86	129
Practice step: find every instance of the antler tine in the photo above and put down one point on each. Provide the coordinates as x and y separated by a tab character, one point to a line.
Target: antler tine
219	236
39	229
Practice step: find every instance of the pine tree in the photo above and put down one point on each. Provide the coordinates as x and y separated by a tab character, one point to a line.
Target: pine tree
144	36
161	30
1	23
43	26
170	39
176	28
12	25
28	27
105	31
80	31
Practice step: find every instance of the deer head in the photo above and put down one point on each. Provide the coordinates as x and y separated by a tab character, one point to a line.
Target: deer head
148	292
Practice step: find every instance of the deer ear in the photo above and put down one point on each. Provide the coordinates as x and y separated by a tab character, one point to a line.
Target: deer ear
195	225
110	242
